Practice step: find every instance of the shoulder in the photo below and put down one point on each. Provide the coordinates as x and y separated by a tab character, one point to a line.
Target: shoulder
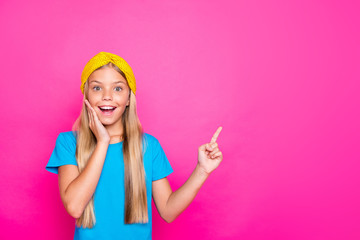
67	137
150	138
70	134
150	142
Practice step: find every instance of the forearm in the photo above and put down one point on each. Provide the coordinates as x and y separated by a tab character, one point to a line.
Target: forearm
81	189
182	197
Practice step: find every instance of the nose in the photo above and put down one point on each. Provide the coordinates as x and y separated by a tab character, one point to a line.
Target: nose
107	95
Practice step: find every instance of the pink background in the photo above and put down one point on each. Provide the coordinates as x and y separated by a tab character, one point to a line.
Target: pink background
280	77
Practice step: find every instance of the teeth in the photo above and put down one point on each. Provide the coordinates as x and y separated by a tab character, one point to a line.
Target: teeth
107	108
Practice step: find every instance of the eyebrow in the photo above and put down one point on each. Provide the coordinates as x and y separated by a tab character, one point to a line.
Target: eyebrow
100	82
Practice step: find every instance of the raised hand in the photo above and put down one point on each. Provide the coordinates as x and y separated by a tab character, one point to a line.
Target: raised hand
209	156
100	132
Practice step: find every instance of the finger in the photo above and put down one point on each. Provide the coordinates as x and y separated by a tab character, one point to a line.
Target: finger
89	110
209	148
93	115
87	104
216	135
214	152
218	154
213	145
89	118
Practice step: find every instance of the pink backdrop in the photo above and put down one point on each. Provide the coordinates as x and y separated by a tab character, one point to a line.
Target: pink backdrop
281	77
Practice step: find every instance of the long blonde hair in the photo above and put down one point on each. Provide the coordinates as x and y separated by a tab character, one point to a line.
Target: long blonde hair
136	210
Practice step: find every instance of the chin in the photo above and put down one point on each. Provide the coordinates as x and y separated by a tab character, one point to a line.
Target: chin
106	123
109	122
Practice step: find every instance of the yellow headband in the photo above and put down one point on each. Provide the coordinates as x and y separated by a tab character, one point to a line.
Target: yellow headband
103	58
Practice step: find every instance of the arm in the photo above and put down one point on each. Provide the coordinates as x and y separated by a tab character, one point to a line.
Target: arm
171	204
77	189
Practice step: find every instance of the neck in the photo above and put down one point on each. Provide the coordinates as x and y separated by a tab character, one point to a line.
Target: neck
115	132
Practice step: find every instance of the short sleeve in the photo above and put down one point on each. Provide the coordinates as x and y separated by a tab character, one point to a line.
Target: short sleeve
63	153
161	165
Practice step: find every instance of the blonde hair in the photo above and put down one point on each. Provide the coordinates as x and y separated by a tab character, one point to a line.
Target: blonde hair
136	210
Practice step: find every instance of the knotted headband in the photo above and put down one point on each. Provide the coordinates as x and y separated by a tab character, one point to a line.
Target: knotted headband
103	58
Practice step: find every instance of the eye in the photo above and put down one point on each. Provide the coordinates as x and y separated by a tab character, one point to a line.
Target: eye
96	87
118	88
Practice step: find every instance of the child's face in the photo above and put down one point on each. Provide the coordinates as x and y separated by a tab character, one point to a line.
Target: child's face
107	87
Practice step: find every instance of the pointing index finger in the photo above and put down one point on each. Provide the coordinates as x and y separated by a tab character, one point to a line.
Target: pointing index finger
216	135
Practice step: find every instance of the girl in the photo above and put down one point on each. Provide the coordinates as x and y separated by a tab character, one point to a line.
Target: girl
109	169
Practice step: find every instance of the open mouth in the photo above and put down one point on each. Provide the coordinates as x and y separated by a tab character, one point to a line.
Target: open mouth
107	110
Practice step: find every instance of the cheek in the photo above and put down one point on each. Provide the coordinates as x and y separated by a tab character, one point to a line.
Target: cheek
93	98
121	100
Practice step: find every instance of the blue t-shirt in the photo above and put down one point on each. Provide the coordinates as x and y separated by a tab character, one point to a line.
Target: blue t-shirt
109	198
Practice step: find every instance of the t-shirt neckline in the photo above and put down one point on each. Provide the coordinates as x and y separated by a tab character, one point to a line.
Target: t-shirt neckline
115	143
